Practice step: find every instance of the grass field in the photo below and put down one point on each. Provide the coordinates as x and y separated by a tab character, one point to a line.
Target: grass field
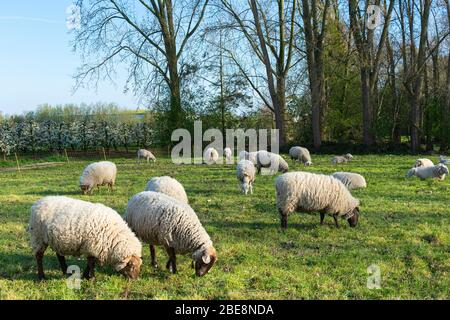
404	230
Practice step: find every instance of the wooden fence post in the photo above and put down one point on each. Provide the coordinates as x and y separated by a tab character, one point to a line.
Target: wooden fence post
67	157
17	161
104	153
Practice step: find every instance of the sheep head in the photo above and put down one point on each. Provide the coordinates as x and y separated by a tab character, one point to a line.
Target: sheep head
204	260
85	189
353	220
132	267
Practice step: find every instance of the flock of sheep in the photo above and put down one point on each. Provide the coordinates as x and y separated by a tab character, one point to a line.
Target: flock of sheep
161	215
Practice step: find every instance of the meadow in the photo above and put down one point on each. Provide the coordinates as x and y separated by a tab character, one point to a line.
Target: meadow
403	230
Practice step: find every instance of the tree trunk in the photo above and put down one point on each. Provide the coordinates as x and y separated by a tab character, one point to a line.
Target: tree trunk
366	108
445	112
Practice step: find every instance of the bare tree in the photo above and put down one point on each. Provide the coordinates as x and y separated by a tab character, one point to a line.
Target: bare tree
271	38
150	37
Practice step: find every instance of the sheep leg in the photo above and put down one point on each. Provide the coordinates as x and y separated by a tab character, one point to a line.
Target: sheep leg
336	221
89	271
153	256
40	266
172	263
322	217
283	219
62	263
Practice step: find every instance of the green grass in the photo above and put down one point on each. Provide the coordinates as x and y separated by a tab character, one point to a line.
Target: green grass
404	229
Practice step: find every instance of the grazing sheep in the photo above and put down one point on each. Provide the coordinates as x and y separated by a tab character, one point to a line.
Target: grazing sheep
168	186
271	160
438	171
300	154
228	154
142	153
98	174
211	156
243	155
246	175
75	227
443	160
423	163
342	159
308	192
158	219
350	180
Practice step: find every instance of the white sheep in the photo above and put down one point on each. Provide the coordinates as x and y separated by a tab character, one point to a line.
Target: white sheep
301	154
168	186
210	156
228	154
309	192
75	227
350	180
243	155
146	154
246	175
443	160
158	219
438	171
342	159
271	160
98	174
424	162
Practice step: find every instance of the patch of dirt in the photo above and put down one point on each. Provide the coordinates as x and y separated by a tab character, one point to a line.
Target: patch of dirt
34	166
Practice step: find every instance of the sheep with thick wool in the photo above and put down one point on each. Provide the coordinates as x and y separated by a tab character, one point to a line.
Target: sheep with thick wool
309	192
350	180
246	175
301	154
74	227
275	162
210	156
98	174
423	162
146	154
158	219
168	186
228	154
439	171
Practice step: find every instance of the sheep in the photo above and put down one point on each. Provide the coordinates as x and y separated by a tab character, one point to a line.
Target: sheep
342	159
438	171
251	156
142	153
300	154
98	174
308	192
350	180
211	156
243	155
271	160
443	160
168	186
246	175
424	162
228	154
75	227
158	219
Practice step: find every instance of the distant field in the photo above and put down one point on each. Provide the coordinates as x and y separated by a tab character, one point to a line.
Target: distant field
404	230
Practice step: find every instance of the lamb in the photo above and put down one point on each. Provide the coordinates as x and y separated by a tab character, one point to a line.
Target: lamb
168	186
443	160
228	154
424	162
301	154
211	156
98	174
158	219
246	175
271	160
350	180
75	227
438	171
342	159
308	192
142	153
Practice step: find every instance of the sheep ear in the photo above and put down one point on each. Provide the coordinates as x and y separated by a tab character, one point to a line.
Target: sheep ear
206	259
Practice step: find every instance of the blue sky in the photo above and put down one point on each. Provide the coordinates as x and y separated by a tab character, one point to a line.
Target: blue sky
37	63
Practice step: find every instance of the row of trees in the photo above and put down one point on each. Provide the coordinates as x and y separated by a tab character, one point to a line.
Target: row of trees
53	129
331	69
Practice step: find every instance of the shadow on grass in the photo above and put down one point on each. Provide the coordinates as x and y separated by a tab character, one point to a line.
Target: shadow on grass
262	225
